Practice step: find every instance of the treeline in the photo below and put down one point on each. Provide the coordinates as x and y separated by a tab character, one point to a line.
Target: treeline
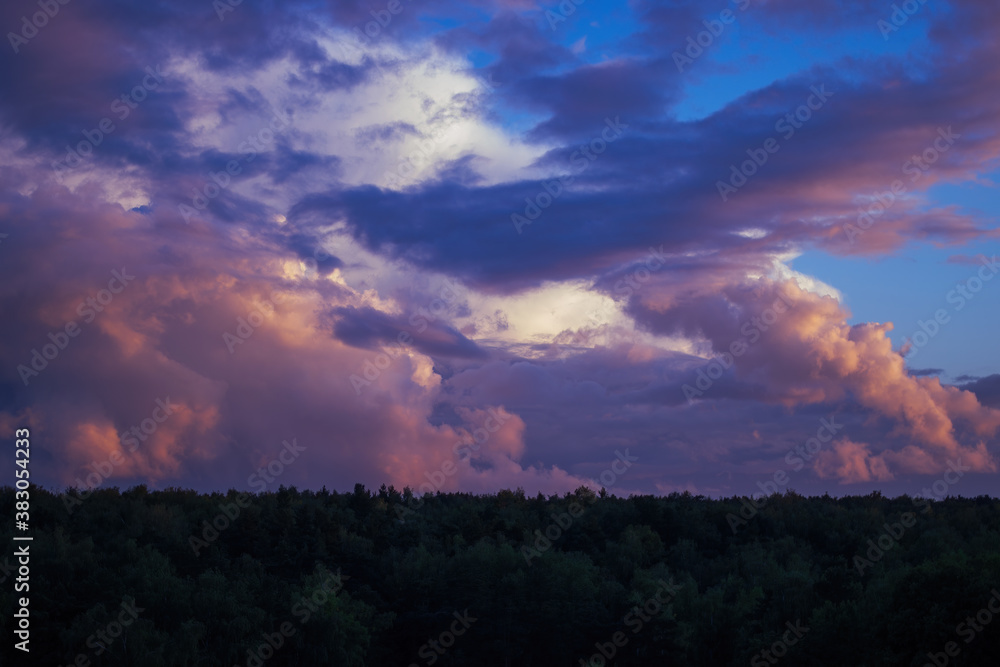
293	577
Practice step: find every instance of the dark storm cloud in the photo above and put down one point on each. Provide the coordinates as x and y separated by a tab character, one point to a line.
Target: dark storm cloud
369	329
986	389
924	372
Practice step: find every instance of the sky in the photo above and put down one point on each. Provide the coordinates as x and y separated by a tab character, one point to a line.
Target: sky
726	247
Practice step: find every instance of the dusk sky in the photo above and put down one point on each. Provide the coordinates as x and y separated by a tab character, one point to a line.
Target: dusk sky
496	244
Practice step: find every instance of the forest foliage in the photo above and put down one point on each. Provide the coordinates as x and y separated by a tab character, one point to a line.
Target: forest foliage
291	577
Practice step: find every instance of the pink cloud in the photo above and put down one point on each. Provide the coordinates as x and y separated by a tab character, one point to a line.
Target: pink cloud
851	462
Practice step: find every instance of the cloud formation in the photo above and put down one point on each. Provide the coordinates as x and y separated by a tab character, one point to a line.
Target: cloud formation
317	215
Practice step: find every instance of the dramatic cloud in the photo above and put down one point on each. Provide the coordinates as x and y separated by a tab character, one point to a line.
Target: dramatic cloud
466	246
